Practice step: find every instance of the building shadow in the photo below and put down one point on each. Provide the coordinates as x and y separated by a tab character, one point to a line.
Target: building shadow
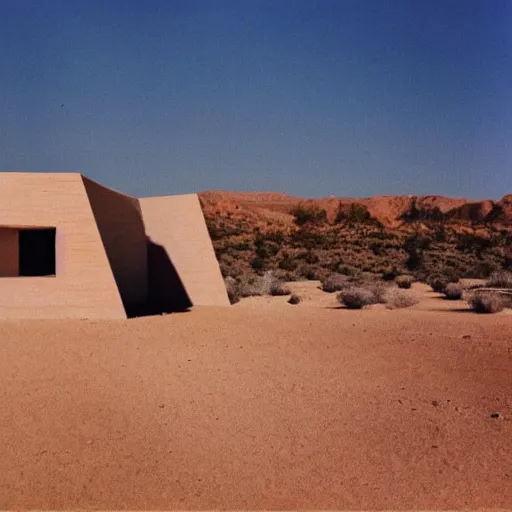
166	293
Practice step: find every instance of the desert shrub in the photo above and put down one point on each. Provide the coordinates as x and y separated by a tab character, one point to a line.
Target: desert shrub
334	283
453	291
278	288
500	279
486	302
400	299
347	270
313	273
232	289
390	274
294	299
242	246
414	246
285	275
288	263
404	282
356	213
380	292
257	263
438	282
251	285
356	298
308	214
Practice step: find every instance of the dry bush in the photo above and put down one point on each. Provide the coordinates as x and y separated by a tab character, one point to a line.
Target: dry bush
312	273
486	302
438	282
390	274
254	285
232	289
380	292
356	298
278	288
500	279
400	299
294	299
404	282
335	283
453	291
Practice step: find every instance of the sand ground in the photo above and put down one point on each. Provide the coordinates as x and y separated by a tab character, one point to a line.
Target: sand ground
262	405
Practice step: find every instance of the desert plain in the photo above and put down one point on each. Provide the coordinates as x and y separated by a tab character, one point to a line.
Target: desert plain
262	405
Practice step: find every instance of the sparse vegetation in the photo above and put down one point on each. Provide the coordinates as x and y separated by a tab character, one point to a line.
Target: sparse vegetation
334	283
380	292
390	274
400	299
486	302
501	279
232	289
453	291
439	282
314	242
404	282
278	288
305	214
356	297
253	286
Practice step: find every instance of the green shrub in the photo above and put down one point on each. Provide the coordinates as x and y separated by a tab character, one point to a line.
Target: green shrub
404	282
356	298
453	291
486	302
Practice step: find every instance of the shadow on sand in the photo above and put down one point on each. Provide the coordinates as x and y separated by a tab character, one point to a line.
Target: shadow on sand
166	293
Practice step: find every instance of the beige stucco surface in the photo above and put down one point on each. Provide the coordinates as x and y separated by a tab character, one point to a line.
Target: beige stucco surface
102	242
177	224
119	221
84	285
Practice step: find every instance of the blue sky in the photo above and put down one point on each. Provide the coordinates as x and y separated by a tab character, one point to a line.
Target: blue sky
313	98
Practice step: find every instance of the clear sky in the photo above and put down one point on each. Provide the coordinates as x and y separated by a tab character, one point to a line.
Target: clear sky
308	97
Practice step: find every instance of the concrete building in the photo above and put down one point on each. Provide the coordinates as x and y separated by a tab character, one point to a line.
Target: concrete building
71	248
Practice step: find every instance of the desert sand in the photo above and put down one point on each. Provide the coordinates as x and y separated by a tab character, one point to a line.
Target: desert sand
261	405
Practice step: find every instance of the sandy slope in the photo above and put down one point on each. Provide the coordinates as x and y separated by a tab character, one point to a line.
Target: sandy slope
274	406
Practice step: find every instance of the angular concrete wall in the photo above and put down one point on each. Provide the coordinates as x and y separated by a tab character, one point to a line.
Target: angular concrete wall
121	228
111	250
177	230
84	286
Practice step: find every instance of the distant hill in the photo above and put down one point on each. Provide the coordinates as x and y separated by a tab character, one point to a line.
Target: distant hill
255	231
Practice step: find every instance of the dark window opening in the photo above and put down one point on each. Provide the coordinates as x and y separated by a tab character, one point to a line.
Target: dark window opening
37	252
